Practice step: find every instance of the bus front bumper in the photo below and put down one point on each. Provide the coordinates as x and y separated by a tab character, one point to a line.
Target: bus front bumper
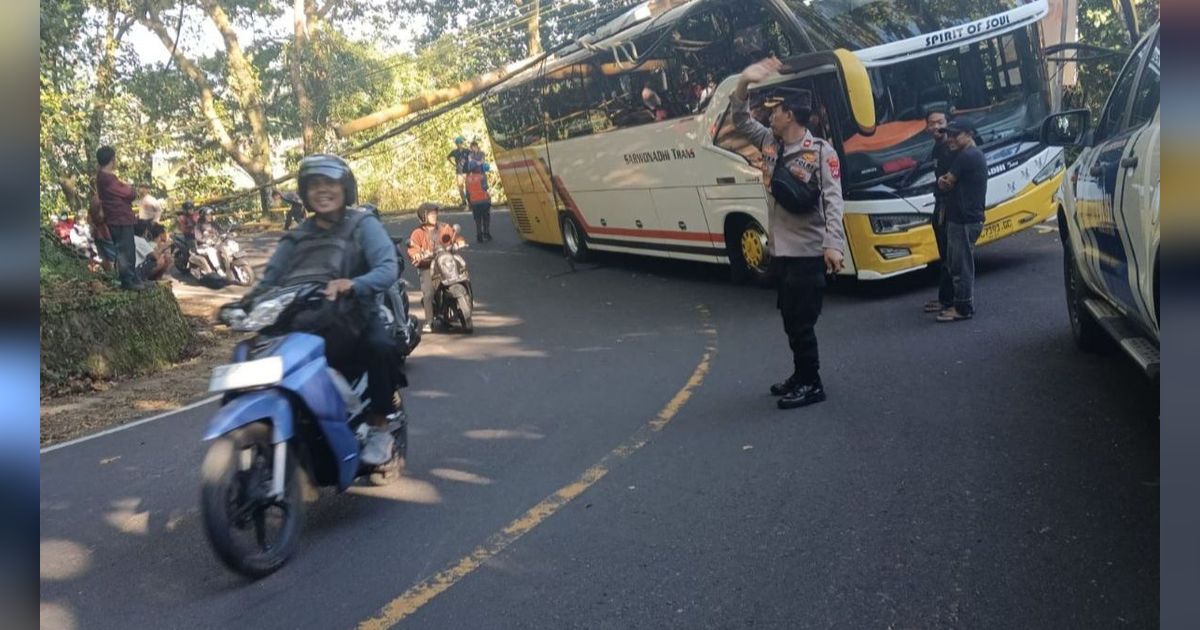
914	249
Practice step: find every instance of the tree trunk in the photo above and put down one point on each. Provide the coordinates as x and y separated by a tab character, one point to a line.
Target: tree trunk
534	29
300	47
255	161
101	96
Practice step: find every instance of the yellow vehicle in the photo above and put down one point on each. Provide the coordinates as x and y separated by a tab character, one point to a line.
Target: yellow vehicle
623	141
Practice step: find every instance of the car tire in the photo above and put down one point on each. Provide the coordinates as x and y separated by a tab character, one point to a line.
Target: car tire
1089	336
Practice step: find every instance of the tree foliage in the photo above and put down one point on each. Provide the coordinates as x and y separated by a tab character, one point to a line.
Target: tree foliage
1100	24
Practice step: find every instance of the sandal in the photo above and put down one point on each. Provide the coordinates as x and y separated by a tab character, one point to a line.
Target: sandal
951	315
934	306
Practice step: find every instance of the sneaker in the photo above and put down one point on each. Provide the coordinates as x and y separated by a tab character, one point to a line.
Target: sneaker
803	396
779	389
952	314
426	329
935	306
377	449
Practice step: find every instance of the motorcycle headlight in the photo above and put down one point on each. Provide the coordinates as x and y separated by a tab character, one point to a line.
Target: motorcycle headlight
894	223
1056	164
265	313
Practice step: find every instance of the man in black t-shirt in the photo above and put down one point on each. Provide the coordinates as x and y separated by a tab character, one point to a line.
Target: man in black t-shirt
966	185
459	157
942	156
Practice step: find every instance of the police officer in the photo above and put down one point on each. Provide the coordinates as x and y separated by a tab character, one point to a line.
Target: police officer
804	221
348	249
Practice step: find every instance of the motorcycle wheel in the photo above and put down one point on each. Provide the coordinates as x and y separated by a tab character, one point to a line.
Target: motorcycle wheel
462	299
239	518
243	273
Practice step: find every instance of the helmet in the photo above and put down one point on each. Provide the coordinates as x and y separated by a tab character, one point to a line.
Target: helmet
459	140
206	211
188	206
486	167
330	166
423	210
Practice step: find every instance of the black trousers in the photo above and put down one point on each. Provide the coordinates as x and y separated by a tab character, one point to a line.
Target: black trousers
801	294
122	236
945	281
482	211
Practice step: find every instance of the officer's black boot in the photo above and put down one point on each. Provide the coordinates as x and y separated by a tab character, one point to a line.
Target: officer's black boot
779	389
803	395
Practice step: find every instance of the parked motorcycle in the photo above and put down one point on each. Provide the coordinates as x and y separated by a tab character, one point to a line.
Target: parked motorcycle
288	423
216	259
453	296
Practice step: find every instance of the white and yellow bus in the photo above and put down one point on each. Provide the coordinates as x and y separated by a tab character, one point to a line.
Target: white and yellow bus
623	142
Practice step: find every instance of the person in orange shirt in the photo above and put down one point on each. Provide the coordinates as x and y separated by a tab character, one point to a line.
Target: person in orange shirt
480	199
420	253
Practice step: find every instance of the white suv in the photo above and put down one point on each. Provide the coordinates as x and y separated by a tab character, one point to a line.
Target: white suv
1108	217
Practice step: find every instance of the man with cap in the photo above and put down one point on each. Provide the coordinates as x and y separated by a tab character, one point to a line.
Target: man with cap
459	157
806	239
966	188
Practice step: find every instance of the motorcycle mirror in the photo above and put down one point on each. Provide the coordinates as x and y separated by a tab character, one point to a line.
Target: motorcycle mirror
457	227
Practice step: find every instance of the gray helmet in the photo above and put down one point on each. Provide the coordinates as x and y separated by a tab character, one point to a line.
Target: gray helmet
423	210
330	166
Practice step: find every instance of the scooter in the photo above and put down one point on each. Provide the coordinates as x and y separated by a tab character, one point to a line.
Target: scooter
288	423
453	297
216	260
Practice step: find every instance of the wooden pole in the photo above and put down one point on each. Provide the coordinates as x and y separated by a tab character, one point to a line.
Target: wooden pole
433	98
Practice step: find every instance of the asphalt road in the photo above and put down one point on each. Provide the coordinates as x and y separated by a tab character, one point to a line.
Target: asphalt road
981	474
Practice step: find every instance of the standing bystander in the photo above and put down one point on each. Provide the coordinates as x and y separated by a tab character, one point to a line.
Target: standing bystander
966	183
295	213
458	157
481	200
149	211
942	156
804	221
116	208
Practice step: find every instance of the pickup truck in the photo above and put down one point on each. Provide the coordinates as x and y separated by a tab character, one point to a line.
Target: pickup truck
1108	216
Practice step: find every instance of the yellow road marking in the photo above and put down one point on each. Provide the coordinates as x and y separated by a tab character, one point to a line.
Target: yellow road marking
422	593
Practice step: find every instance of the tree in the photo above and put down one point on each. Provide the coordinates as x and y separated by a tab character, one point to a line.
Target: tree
1101	24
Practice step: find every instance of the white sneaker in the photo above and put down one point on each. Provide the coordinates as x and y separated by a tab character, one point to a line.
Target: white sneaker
377	450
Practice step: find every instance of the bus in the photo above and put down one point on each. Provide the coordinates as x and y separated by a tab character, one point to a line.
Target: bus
624	141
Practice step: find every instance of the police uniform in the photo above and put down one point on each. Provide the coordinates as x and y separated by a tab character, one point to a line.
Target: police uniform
797	240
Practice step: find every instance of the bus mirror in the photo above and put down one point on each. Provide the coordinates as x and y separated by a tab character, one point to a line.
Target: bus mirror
855	81
1065	128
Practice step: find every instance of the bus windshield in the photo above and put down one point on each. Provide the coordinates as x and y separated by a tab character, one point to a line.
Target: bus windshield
858	24
997	84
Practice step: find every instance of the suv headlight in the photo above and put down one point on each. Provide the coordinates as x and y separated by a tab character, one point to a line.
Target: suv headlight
1056	164
894	223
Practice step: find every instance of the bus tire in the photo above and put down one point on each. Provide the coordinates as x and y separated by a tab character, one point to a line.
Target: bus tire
574	239
746	243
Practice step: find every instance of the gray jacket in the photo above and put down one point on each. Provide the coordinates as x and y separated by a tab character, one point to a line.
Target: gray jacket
790	235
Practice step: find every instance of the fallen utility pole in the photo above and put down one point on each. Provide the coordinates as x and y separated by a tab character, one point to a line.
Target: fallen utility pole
433	98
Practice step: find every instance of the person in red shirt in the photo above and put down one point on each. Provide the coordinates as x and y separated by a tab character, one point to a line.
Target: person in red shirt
116	211
420	252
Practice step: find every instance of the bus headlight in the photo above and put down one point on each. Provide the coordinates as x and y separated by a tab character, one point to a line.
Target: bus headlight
894	223
1056	164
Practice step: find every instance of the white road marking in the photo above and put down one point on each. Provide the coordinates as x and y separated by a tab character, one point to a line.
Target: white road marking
198	403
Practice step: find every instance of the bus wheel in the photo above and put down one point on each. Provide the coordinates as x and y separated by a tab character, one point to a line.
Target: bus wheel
574	241
748	252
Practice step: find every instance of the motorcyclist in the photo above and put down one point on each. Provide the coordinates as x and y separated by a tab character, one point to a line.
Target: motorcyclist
420	252
349	250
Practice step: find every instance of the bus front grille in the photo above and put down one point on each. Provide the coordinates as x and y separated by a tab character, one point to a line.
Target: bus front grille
520	217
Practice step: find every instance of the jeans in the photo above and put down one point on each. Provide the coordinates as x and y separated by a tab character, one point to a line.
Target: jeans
960	253
945	282
482	211
801	294
122	236
380	355
427	290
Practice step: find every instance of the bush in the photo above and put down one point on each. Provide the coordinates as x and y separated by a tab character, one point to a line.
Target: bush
89	329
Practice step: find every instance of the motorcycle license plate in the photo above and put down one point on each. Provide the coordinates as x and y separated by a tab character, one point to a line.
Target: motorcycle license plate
246	375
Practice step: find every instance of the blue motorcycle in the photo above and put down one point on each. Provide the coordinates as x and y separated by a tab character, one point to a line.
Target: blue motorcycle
288	423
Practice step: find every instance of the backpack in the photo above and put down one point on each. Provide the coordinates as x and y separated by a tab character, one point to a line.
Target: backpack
321	257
